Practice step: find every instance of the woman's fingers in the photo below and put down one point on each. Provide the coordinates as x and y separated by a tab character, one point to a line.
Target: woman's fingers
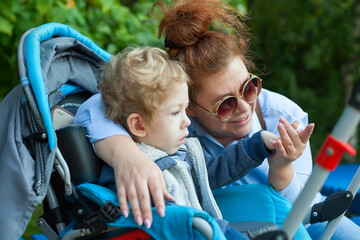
286	139
291	131
294	140
306	133
137	178
134	204
295	125
137	188
159	192
144	202
151	184
123	201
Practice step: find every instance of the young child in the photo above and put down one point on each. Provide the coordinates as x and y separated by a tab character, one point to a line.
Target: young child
147	93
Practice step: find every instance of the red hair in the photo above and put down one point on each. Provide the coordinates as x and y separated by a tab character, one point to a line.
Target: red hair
205	35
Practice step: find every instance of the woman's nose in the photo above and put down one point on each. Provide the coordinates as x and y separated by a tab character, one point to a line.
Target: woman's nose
242	104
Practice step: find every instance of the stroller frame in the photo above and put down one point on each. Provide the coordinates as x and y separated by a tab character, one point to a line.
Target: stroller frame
327	160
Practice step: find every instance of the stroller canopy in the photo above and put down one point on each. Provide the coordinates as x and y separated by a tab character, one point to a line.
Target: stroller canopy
71	59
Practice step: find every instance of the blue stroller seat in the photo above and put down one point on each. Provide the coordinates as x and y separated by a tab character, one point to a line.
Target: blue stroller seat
339	179
255	203
40	157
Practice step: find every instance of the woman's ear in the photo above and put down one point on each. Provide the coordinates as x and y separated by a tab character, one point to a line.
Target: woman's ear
136	125
189	110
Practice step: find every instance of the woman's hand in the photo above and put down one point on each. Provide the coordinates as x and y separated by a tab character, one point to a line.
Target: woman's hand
292	142
288	148
137	178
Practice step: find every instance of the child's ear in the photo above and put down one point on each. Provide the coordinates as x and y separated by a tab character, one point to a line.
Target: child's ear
136	125
189	110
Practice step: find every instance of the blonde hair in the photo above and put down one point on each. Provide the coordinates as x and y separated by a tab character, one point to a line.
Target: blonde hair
138	80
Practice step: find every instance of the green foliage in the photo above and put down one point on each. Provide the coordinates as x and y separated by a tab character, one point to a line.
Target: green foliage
311	55
112	25
32	227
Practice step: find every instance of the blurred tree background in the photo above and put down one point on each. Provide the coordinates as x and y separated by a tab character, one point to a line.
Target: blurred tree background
306	50
311	52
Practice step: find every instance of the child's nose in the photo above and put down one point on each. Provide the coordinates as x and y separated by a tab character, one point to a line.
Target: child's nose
186	121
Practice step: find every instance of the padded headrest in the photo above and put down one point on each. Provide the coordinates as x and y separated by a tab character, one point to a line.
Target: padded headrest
85	166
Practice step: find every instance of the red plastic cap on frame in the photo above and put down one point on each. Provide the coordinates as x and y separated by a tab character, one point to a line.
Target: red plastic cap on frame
332	151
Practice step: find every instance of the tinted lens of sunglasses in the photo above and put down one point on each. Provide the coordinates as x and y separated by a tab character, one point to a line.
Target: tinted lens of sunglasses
227	108
251	89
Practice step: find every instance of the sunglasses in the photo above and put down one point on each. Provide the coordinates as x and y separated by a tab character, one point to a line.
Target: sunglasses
224	109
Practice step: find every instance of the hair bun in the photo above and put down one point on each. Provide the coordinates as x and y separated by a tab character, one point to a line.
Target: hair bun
203	34
185	22
170	44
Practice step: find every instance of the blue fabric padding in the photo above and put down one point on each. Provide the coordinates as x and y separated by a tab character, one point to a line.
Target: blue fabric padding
356	220
69	88
98	194
177	223
33	65
339	179
255	202
38	237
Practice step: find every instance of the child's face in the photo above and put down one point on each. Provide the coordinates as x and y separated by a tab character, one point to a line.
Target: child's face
169	127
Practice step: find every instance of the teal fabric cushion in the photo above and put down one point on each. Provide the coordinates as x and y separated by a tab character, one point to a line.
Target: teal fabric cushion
255	203
177	223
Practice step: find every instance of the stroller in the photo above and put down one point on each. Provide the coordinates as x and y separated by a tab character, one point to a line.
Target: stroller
47	159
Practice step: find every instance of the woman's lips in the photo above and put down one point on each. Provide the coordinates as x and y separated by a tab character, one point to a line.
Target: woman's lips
241	121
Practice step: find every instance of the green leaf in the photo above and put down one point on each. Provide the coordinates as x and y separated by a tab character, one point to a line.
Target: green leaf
5	26
78	16
242	6
120	13
58	14
43	6
7	11
107	5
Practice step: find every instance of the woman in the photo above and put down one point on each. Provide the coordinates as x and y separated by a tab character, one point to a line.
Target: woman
220	110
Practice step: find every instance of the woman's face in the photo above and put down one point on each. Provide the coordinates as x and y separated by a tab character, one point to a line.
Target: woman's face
215	87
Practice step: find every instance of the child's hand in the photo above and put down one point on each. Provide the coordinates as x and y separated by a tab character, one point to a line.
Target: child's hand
288	147
269	140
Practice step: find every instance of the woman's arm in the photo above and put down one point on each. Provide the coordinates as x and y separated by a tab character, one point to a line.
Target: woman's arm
136	176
